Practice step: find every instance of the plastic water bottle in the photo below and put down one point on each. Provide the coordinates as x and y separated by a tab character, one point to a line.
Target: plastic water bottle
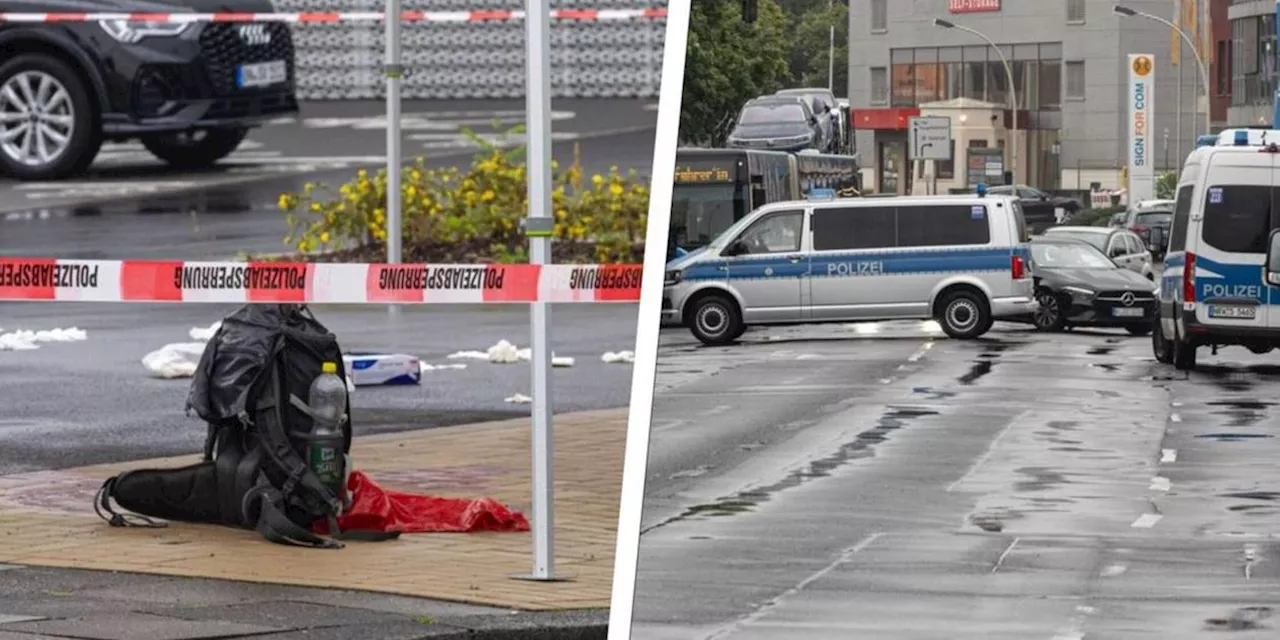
327	399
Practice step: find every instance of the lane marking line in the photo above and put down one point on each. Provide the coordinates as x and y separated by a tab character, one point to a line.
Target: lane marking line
1111	571
1007	551
1175	417
1168	455
845	556
1159	483
1146	521
920	353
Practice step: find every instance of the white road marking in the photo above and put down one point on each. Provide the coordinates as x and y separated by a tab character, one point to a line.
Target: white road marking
1146	521
1175	417
716	410
845	556
1007	551
1168	455
1159	483
1111	571
920	353
659	426
886	380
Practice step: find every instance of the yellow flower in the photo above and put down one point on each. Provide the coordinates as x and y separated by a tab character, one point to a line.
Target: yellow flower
488	195
616	189
285	201
562	214
324	237
315	207
410	192
597	180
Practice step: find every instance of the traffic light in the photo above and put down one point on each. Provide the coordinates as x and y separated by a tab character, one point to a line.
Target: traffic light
749	11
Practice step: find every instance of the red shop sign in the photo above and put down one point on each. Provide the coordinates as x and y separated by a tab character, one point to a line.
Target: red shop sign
974	6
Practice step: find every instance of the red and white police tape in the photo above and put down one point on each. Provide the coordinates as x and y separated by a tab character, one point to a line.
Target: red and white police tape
43	279
322	17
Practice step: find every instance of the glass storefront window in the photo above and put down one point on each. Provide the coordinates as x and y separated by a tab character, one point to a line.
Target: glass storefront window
927	75
1253	60
1050	85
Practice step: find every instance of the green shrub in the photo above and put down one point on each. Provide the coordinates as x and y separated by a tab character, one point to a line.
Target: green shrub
471	214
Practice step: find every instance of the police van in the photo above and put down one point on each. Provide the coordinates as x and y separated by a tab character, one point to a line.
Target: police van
962	260
1221	280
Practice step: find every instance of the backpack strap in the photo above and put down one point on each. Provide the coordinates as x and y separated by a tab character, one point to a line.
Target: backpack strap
270	423
275	526
358	535
102	507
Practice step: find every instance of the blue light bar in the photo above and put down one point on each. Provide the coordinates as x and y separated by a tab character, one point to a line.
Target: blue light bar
1242	139
982	189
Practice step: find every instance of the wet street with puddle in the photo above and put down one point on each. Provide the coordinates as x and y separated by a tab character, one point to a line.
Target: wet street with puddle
881	481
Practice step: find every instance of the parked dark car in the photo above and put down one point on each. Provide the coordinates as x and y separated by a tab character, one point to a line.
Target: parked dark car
189	92
777	124
1038	207
1077	286
823	103
1151	220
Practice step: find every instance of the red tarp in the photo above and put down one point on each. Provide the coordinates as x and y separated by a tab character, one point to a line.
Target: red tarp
376	509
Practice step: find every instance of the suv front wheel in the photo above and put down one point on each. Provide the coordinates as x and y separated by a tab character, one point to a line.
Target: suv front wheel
48	128
194	149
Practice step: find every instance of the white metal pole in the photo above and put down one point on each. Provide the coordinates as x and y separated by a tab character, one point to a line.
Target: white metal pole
1178	139
1013	99
539	227
1204	70
393	72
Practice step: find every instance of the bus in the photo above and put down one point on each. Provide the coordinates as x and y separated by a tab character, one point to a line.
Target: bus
715	188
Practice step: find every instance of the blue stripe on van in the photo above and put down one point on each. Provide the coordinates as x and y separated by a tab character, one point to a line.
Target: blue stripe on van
923	261
1238	280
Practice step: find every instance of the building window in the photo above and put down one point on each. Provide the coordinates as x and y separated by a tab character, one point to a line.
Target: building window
1252	64
1075	11
1050	89
1222	61
1075	80
879	16
879	85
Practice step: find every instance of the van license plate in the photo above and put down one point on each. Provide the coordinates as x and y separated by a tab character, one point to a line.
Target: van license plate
261	74
1232	312
1130	312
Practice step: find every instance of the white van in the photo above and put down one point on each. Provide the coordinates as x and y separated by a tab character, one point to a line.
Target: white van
962	260
1222	270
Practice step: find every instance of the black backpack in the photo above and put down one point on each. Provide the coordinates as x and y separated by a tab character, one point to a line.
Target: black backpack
250	388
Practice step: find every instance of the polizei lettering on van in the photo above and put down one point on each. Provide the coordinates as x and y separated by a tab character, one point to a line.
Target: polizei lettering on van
593	278
69	276
1252	291
268	278
438	278
858	268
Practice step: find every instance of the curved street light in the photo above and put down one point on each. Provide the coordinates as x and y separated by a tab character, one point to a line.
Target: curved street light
1204	70
1013	91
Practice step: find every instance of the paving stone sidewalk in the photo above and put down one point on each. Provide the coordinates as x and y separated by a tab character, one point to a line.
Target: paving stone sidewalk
46	520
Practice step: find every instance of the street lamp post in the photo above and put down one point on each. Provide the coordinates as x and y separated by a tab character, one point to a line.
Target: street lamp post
1204	70
1013	91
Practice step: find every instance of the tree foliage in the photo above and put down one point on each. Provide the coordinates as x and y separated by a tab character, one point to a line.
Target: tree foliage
728	62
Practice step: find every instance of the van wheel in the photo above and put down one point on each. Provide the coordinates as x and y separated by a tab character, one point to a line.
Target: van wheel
715	320
48	128
1161	347
1184	354
964	315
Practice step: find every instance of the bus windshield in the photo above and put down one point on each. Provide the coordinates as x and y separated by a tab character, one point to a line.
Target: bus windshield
700	212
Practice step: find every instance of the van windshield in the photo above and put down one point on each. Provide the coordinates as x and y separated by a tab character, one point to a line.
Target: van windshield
1239	217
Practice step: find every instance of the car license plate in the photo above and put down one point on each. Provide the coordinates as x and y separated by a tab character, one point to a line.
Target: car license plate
261	74
1232	312
1130	312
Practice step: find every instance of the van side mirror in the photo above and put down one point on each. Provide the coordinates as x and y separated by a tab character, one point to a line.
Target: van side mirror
736	248
1272	268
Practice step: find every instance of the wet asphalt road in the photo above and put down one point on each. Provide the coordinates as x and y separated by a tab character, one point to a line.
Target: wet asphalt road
893	485
86	402
78	403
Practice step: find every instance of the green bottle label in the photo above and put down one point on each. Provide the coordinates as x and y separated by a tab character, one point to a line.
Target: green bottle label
327	465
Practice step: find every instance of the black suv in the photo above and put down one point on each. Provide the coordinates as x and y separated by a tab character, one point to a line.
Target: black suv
190	92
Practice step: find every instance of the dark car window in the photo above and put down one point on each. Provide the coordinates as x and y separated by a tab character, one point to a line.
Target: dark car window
1028	192
853	228
1237	218
1135	245
765	114
1068	256
1098	240
940	225
1000	191
1153	218
1181	216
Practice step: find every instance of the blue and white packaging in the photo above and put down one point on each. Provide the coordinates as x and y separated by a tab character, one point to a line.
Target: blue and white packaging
369	369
